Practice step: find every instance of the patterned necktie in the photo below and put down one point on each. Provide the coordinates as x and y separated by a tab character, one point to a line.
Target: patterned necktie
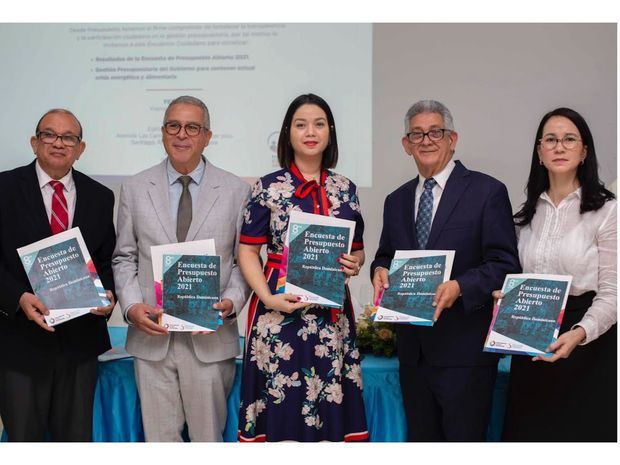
425	213
59	220
184	213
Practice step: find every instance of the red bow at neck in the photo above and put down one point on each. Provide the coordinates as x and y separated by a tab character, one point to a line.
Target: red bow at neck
316	190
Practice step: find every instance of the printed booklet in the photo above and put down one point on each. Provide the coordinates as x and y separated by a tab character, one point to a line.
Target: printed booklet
414	276
528	318
187	284
312	247
63	276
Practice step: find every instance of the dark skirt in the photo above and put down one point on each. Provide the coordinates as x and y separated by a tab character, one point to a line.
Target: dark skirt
573	399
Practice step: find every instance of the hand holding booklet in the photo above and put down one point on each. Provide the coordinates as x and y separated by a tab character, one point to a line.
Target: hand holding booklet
187	284
63	276
414	276
312	247
528	318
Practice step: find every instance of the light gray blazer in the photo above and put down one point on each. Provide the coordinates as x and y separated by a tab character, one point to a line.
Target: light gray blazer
144	220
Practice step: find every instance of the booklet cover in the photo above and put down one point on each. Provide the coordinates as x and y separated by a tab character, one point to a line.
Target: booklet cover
312	247
187	284
414	276
63	276
528	318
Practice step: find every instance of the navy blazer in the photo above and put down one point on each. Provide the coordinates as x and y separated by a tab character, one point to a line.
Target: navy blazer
474	218
24	346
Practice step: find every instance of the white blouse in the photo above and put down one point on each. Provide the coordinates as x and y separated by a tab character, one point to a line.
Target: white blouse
560	240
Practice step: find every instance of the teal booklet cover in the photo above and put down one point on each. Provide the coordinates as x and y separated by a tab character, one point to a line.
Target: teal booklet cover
528	318
312	247
63	276
186	279
414	276
191	285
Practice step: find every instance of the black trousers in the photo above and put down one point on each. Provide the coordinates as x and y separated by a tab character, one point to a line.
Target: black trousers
573	399
447	403
58	401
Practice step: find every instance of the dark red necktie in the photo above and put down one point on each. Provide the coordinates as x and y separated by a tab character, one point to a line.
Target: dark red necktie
59	220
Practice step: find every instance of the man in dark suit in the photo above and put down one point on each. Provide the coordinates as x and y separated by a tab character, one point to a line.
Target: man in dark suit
48	374
446	379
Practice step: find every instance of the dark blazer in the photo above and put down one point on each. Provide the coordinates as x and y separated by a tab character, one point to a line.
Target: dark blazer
474	218
24	346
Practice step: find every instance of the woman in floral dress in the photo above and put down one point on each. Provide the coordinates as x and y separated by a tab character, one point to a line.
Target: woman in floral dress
301	375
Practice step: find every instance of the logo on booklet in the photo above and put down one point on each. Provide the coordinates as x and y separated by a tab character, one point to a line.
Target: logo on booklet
505	345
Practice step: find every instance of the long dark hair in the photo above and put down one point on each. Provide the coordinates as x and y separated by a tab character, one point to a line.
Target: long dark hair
285	149
593	192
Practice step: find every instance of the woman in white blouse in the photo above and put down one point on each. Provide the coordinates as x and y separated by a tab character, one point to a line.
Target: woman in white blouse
567	225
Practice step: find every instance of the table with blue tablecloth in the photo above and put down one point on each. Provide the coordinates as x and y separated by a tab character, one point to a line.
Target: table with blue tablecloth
117	406
117	415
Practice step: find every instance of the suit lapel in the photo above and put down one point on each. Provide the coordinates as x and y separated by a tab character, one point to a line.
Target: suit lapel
33	199
409	215
159	190
207	196
456	185
80	210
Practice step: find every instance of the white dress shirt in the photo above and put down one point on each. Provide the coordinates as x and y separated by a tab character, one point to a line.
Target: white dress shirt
560	240
441	178
47	192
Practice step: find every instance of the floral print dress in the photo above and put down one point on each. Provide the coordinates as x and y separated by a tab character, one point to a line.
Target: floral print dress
302	376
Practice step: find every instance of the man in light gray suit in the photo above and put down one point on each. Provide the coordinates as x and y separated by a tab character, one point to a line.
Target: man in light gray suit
181	377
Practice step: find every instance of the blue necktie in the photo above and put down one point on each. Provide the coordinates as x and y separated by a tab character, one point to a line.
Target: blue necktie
425	213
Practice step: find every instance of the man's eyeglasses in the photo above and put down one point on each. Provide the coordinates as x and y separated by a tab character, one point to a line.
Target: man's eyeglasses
435	135
49	138
191	129
569	142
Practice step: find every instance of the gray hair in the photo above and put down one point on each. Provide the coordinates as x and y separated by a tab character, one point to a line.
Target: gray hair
189	100
429	106
59	110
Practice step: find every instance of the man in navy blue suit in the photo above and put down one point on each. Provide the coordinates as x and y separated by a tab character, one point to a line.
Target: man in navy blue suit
446	379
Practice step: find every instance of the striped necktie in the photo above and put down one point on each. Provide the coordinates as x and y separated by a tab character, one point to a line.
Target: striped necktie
59	220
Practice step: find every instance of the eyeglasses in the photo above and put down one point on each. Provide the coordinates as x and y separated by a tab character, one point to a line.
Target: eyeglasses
191	129
49	138
435	135
569	142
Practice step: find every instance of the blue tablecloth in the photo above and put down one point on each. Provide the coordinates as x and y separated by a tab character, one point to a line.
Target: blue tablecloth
117	415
